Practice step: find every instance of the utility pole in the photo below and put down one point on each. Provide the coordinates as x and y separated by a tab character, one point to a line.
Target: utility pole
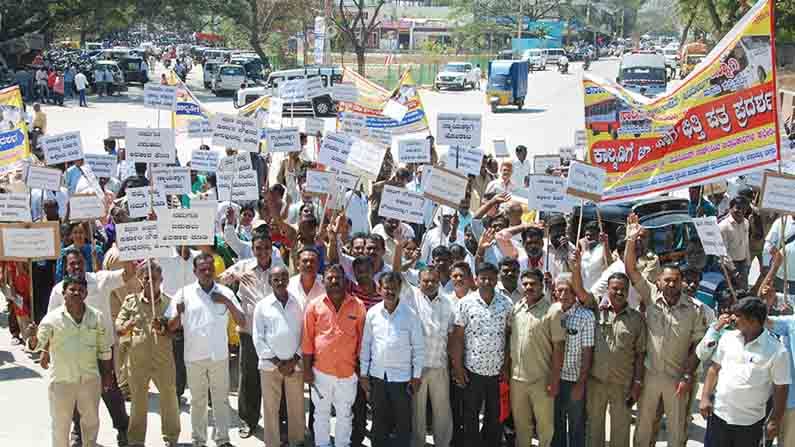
519	22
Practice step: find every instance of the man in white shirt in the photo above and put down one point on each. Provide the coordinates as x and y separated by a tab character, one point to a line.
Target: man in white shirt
307	284
521	167
277	332
748	364
595	253
203	313
444	234
357	209
81	84
99	80
735	232
387	230
503	184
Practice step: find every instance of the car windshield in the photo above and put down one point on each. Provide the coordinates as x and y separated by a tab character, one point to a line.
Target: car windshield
670	52
643	74
458	68
694	59
130	65
232	71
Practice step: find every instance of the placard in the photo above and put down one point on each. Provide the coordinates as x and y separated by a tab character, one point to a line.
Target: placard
284	140
178	227
345	92
62	147
345	179
314	87
139	240
412	150
366	158
547	193
103	165
117	129
22	242
85	207
231	163
162	97
466	160
293	89
145	145
335	150
200	128
380	135
443	186
244	189
205	161
93	182
237	132
402	204
395	110
543	162
580	139
318	182
172	180
778	192
709	233
139	201
458	129
353	123
500	148
314	126
275	111
586	181
567	153
48	179
14	207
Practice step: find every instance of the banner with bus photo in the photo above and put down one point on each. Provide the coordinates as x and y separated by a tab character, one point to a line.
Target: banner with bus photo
14	143
721	121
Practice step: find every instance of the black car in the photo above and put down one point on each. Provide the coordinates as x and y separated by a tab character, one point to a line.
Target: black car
133	70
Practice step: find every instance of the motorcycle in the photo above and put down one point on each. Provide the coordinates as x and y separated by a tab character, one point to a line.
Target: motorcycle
563	67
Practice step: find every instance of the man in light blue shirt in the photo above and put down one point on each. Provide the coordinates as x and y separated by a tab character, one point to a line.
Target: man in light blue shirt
391	361
72	176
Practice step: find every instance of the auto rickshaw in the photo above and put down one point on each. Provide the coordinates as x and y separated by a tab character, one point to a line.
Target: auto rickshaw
507	84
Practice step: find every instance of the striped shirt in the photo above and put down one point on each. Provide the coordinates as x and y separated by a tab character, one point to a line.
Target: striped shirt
579	324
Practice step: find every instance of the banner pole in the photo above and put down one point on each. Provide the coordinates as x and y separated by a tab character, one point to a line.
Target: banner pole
579	226
728	280
32	301
94	265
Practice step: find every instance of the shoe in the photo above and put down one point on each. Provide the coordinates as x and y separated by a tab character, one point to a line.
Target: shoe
121	439
244	431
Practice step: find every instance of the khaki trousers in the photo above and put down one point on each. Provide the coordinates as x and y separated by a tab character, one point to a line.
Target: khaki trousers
271	384
166	382
436	387
660	387
63	399
786	436
600	396
212	375
533	410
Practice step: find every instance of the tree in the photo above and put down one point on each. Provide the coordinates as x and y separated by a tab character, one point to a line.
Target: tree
20	18
355	27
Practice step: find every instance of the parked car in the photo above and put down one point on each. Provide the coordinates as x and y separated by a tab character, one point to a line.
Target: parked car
553	54
536	59
228	78
458	74
133	70
321	105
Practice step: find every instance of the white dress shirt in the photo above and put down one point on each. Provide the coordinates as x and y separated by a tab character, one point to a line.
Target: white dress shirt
520	171
204	322
177	273
592	265
249	297
437	317
392	344
434	238
389	242
100	285
296	288
358	211
277	329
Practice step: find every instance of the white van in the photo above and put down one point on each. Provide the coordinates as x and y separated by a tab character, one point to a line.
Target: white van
553	54
228	78
536	59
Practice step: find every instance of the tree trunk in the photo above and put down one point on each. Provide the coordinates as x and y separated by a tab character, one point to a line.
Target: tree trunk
257	47
713	14
686	29
359	49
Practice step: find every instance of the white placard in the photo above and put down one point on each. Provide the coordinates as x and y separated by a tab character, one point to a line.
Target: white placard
172	180
29	243
547	193
458	129
246	187
542	162
318	182
85	207
501	149
227	164
62	147
345	92
395	110
237	132
275	111
402	204
412	150
139	240
200	128
345	179
567	153
443	186
314	87
709	233
287	139
293	89
145	145
195	226
353	123
466	160
163	97
117	129
103	165
14	207
586	181
93	182
139	201
315	125
205	161
778	192
380	135
366	158
335	150
43	178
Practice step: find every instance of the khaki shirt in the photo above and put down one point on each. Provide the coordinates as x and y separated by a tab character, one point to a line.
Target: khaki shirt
671	330
619	338
144	351
534	329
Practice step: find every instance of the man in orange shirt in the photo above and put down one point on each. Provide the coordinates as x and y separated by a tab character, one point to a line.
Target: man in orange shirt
333	327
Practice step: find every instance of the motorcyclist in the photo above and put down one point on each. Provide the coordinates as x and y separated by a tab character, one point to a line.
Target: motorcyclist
586	60
563	64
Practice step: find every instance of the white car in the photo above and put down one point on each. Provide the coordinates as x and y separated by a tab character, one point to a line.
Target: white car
536	59
228	78
458	74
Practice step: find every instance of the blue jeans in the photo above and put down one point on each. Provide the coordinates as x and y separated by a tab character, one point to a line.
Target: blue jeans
571	412
83	97
69	89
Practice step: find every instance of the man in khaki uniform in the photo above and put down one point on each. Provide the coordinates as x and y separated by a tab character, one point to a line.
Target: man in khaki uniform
617	371
537	344
150	356
674	327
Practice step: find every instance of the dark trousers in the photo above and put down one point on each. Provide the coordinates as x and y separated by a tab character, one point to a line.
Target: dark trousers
82	97
726	435
179	362
479	391
114	402
249	398
457	407
569	418
359	429
391	410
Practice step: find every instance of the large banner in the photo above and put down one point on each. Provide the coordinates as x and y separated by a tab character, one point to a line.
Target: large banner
372	99
721	121
14	144
189	108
